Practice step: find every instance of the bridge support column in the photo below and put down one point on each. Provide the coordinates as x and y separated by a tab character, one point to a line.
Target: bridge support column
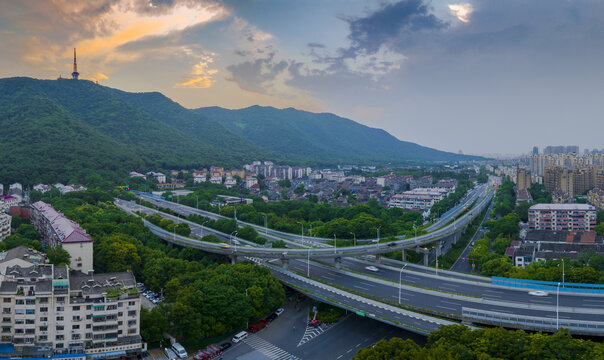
337	262
285	263
233	259
456	237
426	258
404	255
439	246
378	258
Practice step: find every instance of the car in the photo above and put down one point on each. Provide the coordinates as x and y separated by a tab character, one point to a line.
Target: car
271	317
225	346
179	350
240	336
315	323
372	268
170	354
140	285
155	300
226	246
257	326
236	242
279	311
538	293
391	244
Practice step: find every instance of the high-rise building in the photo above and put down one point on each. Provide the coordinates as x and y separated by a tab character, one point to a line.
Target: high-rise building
523	179
535	150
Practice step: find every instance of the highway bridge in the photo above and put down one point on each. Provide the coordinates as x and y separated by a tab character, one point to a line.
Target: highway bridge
410	296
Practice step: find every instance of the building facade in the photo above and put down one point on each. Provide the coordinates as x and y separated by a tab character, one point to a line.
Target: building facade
566	217
49	313
596	198
56	229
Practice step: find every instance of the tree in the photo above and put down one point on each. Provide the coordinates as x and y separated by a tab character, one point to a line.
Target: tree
285	183
248	233
58	256
600	229
115	255
299	190
600	216
182	229
279	244
153	324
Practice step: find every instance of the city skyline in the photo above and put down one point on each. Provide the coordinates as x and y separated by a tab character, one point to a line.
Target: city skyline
524	71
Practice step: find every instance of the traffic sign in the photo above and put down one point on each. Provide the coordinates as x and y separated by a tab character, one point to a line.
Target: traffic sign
360	313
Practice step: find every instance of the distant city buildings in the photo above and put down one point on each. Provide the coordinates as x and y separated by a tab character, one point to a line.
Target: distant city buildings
562	217
596	198
523	179
561	150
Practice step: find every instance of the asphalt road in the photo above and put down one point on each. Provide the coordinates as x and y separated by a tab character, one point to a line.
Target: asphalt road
339	341
571	307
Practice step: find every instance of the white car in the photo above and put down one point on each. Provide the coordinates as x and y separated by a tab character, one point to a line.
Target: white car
372	268
538	293
279	311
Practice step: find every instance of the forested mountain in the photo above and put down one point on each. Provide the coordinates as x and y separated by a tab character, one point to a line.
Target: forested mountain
64	130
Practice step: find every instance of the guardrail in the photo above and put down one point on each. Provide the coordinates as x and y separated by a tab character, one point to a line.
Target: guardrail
548	285
532	322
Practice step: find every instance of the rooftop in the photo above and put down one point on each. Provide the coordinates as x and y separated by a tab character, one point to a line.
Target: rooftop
565	207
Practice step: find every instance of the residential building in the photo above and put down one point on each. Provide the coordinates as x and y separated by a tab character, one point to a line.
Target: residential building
159	177
8	201
422	182
1	189
49	313
16	190
418	199
250	181
5	225
56	229
42	188
596	198
135	174
229	182
523	179
570	217
523	196
216	179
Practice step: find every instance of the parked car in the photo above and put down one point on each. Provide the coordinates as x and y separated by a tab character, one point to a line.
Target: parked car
372	268
240	336
179	350
257	326
225	346
140	285
271	317
315	323
279	311
170	354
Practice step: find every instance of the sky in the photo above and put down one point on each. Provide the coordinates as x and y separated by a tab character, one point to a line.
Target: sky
477	76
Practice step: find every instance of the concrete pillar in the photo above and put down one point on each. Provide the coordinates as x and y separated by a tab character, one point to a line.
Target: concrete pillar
337	262
233	259
455	238
378	258
426	255
285	263
439	246
404	255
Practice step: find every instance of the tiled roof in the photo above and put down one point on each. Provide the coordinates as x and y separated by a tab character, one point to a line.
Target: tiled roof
67	230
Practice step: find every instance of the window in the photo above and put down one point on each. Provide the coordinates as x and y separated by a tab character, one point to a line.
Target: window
60	308
30	311
30	321
44	309
76	318
131	303
43	328
43	338
76	308
131	331
121	304
19	302
60	327
88	326
88	335
30	302
43	300
19	311
6	310
6	329
61	298
44	318
6	319
75	327
59	345
60	318
19	321
7	300
88	317
111	307
88	307
131	322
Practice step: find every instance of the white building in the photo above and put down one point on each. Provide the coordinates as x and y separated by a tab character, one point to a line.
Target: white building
229	182
159	177
53	314
216	180
5	224
16	190
135	174
418	199
42	188
250	181
199	178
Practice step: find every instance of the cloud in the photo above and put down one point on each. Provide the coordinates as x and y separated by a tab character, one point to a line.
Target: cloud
98	77
461	11
201	75
257	75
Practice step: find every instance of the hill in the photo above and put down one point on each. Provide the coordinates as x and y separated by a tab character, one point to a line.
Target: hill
65	130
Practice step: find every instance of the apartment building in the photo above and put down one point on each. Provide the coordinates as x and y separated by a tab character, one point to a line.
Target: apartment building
523	179
48	312
56	229
567	217
418	199
596	198
5	225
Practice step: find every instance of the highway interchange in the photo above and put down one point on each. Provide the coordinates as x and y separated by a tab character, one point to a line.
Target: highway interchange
377	293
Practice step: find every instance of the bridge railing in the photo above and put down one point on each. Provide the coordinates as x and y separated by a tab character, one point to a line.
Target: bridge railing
531	322
548	285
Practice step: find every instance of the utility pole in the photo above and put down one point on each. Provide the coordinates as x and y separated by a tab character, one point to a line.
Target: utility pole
355	239
400	278
335	243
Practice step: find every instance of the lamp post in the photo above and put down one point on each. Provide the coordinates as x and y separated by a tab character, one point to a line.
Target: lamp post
557	303
355	238
308	264
231	236
265	224
335	243
400	278
202	224
301	231
247	322
562	272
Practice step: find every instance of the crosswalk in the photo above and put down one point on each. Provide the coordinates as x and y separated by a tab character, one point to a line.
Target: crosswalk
267	349
312	332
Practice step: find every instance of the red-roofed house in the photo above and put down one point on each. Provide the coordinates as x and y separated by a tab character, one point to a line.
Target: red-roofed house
56	229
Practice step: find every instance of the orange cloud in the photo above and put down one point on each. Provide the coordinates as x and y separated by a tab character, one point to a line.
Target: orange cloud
202	75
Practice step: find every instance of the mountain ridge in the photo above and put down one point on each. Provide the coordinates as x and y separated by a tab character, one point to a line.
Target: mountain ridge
111	132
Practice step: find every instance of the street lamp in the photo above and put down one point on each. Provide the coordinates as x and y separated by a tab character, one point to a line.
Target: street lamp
378	233
400	278
562	272
247	322
308	264
355	238
301	231
557	303
335	243
202	224
231	236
